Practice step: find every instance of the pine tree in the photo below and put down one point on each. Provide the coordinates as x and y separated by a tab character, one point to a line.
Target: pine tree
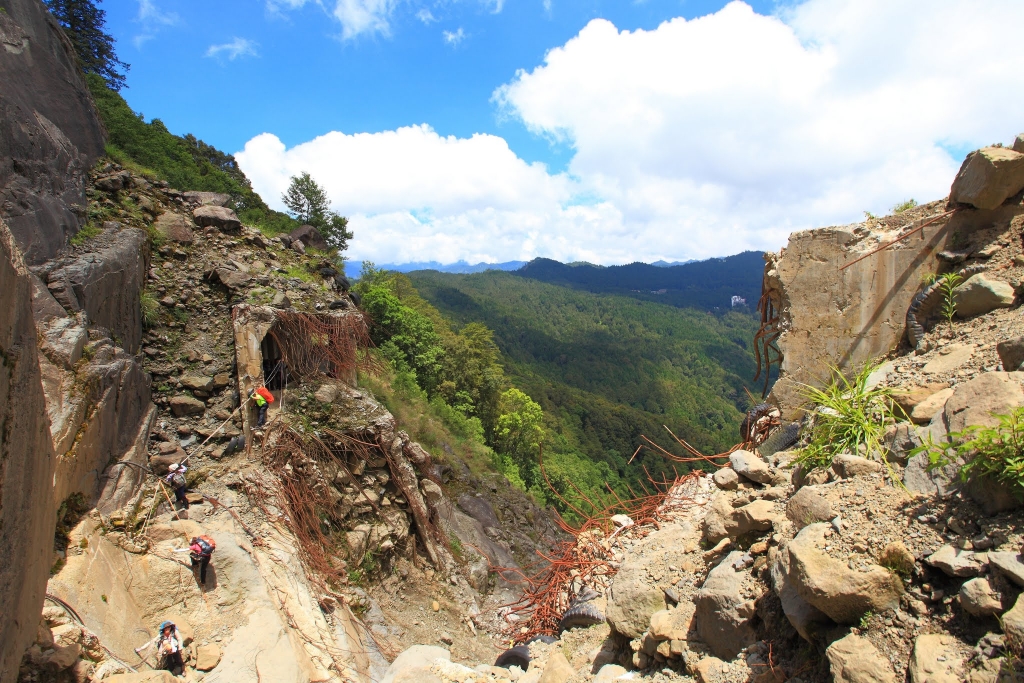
83	23
308	202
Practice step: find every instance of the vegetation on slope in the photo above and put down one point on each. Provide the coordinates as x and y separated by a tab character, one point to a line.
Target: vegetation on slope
186	163
606	370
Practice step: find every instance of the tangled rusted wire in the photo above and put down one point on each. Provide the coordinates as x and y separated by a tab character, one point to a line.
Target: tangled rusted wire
322	345
766	352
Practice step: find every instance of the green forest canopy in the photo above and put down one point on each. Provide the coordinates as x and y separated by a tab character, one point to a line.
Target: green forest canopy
607	369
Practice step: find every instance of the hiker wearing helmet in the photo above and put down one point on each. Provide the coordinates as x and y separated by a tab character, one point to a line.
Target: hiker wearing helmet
176	480
200	551
168	645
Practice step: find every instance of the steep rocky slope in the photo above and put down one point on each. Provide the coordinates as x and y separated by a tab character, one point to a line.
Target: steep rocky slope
875	566
51	134
404	550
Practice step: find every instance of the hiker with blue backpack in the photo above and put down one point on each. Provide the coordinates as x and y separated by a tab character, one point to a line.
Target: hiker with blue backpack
200	551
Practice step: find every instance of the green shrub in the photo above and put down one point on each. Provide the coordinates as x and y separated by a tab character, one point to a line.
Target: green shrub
849	418
995	453
88	231
150	309
904	206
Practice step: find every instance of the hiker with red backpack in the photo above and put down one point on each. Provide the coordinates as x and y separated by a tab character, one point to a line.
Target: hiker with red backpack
263	398
200	551
176	480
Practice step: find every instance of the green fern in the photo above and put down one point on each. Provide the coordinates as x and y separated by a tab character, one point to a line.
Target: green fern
948	282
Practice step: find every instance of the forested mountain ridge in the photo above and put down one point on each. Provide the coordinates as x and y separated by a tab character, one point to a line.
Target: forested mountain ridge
707	285
607	368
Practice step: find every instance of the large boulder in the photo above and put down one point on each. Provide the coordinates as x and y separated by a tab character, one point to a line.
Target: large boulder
413	665
724	521
207	198
988	177
50	133
808	506
828	584
981	294
803	616
310	237
936	659
978	401
723	611
854	659
632	597
174	227
219	217
27	511
479	509
978	598
751	467
1011	353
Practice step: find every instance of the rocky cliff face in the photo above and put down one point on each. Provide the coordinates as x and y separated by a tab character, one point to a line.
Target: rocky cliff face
26	465
50	136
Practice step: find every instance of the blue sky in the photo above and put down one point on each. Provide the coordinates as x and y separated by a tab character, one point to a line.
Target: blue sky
293	73
581	129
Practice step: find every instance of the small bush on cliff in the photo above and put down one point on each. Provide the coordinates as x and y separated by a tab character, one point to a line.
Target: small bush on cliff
904	206
850	417
995	453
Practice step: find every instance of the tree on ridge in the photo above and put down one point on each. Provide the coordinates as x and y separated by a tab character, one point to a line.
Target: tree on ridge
83	24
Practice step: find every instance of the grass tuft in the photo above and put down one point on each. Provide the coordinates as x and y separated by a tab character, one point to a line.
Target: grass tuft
849	418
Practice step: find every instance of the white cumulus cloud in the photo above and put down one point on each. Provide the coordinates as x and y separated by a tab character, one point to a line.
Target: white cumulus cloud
698	138
239	47
453	38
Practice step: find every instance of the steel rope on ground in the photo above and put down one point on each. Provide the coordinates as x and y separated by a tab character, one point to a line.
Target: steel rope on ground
70	611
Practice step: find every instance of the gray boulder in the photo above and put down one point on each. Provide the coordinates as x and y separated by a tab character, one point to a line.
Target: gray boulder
207	198
1011	353
310	237
723	614
750	466
954	562
988	177
479	509
219	217
981	294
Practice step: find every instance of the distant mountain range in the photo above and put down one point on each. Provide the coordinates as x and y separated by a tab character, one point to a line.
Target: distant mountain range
457	267
714	284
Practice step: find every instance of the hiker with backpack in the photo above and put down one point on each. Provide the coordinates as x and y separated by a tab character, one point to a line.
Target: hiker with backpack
200	551
262	398
169	644
176	480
